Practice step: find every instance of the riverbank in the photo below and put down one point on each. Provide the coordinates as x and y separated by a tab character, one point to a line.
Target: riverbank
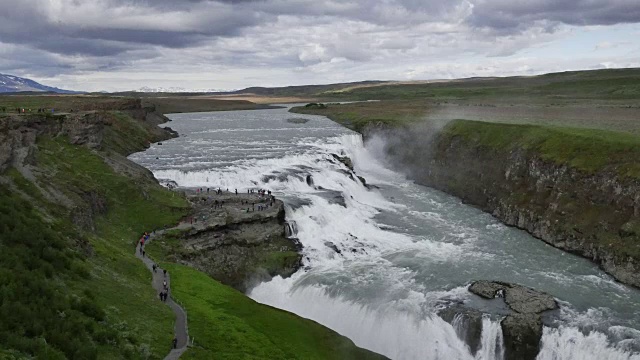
576	189
72	209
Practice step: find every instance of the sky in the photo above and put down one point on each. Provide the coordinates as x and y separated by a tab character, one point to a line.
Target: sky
115	45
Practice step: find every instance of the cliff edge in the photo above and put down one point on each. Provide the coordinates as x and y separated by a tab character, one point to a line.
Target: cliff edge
576	189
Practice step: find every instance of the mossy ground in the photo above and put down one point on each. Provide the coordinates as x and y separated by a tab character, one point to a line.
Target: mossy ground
80	292
583	148
228	325
117	312
123	282
587	150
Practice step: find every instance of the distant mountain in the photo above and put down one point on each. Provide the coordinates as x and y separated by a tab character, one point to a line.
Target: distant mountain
302	90
171	90
12	84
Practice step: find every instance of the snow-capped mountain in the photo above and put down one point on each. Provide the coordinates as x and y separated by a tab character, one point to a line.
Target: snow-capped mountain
10	83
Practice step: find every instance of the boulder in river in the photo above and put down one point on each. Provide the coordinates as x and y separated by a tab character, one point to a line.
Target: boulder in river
520	299
522	330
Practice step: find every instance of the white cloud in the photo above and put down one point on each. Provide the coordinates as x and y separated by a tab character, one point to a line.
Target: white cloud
127	44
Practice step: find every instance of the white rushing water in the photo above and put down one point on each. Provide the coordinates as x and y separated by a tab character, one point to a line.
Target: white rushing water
380	263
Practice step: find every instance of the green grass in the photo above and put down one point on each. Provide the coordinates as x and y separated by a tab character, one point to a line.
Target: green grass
126	135
175	104
133	323
271	262
359	116
584	149
62	103
228	325
616	84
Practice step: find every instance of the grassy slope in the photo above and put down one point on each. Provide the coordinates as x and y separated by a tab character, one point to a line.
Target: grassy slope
228	325
573	141
132	324
589	150
120	282
104	288
61	103
615	84
584	149
164	105
612	84
170	105
358	116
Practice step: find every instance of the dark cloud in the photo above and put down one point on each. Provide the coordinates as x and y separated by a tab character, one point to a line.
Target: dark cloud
67	36
108	28
511	15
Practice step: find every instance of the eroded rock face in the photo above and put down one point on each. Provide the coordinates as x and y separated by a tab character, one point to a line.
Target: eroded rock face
522	330
594	215
521	334
345	160
236	247
467	324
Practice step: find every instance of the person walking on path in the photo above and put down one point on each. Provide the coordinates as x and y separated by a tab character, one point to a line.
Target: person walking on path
160	282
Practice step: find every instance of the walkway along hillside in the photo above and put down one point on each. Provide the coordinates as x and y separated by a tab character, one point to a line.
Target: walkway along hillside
158	278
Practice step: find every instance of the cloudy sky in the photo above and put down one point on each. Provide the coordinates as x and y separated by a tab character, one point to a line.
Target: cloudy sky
230	44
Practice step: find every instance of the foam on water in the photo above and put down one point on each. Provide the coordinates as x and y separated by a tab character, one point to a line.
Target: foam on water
382	328
568	343
371	270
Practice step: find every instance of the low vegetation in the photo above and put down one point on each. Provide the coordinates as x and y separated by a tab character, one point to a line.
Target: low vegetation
62	103
171	105
226	324
71	286
584	149
360	115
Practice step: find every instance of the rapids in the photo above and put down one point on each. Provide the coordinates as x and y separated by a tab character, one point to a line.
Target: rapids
380	262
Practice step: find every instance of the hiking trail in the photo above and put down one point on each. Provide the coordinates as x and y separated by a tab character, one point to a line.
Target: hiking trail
180	329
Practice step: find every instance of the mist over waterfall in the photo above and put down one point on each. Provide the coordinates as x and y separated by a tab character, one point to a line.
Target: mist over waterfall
381	262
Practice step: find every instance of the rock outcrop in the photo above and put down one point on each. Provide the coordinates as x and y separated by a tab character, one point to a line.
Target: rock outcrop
466	322
592	214
237	247
95	129
522	329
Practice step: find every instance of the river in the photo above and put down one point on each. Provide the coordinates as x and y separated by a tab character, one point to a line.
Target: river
380	262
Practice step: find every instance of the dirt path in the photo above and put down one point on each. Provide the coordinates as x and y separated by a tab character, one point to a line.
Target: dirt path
180	330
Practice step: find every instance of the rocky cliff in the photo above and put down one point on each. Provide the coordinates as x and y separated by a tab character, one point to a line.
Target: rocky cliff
233	240
594	213
18	133
111	134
